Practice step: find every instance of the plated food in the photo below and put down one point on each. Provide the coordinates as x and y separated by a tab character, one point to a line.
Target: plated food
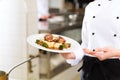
51	41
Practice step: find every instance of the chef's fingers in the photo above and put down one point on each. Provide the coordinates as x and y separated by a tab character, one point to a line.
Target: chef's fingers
103	56
99	49
104	49
100	56
68	55
88	51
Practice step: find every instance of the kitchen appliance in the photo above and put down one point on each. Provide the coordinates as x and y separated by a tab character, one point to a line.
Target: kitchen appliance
5	76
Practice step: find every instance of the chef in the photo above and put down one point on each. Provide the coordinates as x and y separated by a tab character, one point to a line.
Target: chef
100	47
43	9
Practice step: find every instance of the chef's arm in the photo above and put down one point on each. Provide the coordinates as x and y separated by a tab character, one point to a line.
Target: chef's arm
105	52
76	56
118	53
108	52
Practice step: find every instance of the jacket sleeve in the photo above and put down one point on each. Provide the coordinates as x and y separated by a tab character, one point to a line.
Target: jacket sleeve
79	53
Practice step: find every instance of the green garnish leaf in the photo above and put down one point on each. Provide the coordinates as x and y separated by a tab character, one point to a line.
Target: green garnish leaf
61	47
45	45
37	41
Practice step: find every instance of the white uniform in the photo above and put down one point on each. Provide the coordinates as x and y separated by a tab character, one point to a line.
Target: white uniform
43	8
101	27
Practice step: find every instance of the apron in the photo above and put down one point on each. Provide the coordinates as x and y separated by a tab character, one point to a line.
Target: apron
94	69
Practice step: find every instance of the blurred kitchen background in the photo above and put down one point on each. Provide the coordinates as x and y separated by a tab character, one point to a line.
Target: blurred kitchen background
21	18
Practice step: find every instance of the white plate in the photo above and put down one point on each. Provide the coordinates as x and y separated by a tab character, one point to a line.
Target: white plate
32	39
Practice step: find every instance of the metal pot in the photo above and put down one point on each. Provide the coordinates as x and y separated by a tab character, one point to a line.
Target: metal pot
3	75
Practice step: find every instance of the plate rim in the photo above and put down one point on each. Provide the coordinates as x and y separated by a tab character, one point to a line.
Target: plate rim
29	38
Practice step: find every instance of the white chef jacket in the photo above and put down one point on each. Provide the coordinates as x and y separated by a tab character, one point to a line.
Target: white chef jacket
43	8
101	27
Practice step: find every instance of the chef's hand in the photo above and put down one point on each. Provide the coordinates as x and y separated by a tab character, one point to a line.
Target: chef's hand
104	53
68	55
88	51
107	52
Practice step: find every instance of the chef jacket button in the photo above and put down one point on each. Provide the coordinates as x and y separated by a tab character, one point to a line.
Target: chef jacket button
117	17
93	33
93	49
109	0
93	16
99	5
115	35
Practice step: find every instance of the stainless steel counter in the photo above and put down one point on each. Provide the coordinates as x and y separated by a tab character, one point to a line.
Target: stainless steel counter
66	24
